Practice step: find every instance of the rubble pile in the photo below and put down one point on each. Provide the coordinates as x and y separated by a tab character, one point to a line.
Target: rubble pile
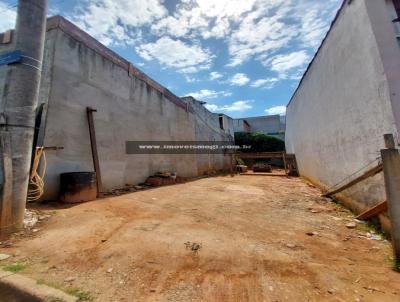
260	167
164	178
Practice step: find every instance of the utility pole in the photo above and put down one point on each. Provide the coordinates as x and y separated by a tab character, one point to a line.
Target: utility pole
391	170
18	111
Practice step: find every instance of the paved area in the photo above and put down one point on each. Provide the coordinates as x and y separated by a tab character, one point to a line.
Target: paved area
246	238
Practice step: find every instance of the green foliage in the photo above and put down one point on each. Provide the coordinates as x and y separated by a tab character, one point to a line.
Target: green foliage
48	283
52	299
240	161
259	142
15	267
80	294
76	292
373	226
396	265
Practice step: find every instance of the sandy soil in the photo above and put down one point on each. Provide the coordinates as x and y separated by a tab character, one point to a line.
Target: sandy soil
247	238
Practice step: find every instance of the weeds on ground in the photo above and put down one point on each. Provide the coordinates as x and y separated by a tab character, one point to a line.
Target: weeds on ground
49	283
372	226
394	263
52	299
76	292
15	267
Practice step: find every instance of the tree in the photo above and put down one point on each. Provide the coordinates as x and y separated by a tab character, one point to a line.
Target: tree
259	142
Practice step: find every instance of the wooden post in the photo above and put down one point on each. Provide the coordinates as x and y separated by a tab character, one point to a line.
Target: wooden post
95	155
371	172
6	221
232	167
284	162
391	170
374	211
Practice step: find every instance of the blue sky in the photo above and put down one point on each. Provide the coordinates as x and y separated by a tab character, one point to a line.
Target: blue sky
243	57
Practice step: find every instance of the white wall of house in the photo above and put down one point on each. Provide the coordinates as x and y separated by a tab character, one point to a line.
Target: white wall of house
340	111
269	124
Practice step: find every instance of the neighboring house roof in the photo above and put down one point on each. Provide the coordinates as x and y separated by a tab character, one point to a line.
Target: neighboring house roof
258	117
246	122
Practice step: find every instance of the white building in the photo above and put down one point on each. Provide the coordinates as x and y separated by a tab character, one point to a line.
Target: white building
273	125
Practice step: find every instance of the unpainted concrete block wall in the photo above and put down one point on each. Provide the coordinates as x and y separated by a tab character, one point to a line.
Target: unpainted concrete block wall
336	119
127	109
79	72
207	128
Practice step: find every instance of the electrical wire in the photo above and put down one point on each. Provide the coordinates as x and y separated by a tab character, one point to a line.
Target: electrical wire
9	7
36	182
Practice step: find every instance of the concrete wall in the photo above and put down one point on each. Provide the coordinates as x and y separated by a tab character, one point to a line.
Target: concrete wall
239	125
4	48
79	72
127	110
207	128
380	14
270	124
337	117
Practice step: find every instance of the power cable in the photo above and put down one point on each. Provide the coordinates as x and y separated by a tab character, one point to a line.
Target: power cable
36	182
10	6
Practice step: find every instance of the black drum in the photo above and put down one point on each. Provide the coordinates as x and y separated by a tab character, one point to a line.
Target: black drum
78	187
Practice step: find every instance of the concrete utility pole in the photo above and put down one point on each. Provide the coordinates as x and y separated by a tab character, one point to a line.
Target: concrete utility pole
391	170
20	100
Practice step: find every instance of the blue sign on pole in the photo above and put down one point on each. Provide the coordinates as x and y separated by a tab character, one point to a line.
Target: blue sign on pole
10	57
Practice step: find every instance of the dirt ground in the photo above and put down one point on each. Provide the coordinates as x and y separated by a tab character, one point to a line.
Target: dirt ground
246	238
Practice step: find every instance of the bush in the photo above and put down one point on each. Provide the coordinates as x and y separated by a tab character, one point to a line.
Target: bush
259	142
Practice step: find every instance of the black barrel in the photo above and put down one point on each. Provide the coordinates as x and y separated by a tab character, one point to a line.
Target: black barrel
78	186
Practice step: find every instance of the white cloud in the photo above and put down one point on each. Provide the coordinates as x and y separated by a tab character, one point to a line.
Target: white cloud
268	83
257	30
314	20
202	18
235	106
8	17
283	63
251	29
239	79
206	94
115	22
281	110
215	75
212	107
274	24
171	26
190	79
288	66
257	35
176	54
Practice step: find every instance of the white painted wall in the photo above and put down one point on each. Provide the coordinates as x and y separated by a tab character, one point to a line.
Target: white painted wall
380	14
269	124
336	119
